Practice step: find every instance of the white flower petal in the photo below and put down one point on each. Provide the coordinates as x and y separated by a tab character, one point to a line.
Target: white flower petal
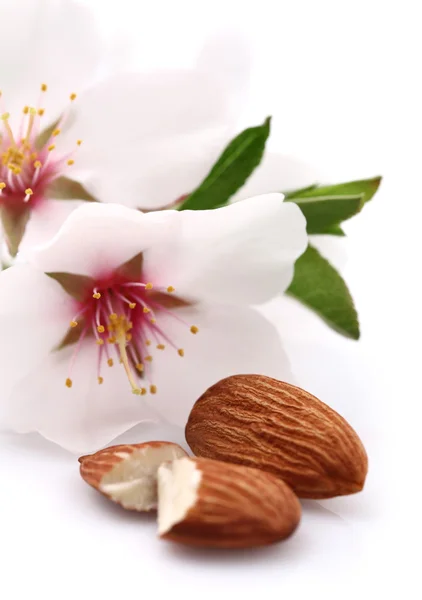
277	173
230	340
82	418
149	138
45	41
45	222
228	56
97	238
165	170
34	312
239	254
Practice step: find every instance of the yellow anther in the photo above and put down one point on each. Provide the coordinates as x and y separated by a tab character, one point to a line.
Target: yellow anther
110	362
79	142
128	337
70	162
153	321
41	111
132	304
96	295
100	342
28	192
51	147
25	110
37	164
56	132
148	342
143	391
32	111
43	87
194	329
100	380
111	340
148	358
2	185
160	346
68	383
181	352
148	286
5	116
170	289
113	317
73	323
146	310
72	97
153	389
139	367
100	329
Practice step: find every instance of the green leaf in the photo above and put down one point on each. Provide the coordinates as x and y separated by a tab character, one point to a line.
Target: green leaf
297	193
367	187
321	288
14	225
77	286
63	188
324	212
231	170
325	207
333	230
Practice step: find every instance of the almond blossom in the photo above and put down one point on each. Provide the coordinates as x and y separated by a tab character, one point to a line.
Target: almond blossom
68	136
125	316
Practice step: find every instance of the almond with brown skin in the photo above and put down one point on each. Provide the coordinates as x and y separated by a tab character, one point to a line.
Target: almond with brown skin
208	503
260	422
127	474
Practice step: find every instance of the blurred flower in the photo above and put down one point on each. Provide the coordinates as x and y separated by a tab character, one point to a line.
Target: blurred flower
166	294
147	138
42	41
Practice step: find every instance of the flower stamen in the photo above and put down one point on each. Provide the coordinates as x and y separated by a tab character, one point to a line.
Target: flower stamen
28	193
124	314
5	118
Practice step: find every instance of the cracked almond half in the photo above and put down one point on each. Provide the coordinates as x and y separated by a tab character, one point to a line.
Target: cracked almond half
127	474
208	503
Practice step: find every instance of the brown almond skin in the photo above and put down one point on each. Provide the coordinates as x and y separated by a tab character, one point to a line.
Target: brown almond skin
93	467
237	507
261	422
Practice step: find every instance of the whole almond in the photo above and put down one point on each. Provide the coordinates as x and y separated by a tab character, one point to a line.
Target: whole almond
260	422
127	474
203	502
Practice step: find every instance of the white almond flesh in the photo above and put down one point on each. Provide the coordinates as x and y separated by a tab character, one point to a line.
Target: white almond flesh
128	474
178	484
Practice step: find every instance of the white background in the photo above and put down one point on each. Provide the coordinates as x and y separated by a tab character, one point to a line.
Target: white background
342	80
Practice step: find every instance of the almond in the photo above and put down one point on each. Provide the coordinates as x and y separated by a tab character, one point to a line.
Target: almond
127	474
260	422
203	502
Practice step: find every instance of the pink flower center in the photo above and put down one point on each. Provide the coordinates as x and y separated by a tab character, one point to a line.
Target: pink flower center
123	316
28	163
